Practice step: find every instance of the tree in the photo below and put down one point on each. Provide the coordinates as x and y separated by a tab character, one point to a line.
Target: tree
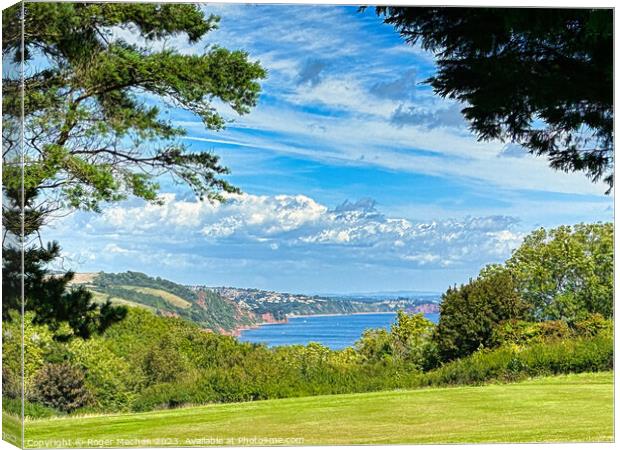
542	78
566	273
93	126
374	344
94	130
408	341
61	386
470	313
411	340
46	295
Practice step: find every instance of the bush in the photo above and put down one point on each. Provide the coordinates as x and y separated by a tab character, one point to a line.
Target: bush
593	325
510	363
520	332
61	386
164	363
164	396
109	378
191	389
11	386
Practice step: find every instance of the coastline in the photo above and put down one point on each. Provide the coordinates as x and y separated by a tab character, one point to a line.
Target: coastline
237	331
297	316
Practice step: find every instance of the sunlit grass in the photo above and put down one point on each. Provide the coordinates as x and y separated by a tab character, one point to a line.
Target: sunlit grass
555	409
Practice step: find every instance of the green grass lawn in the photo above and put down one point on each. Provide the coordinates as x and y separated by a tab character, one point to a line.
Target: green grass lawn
562	408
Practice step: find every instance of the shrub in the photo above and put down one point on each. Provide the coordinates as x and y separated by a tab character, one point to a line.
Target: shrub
520	332
38	344
593	325
164	396
61	386
193	388
109	378
510	363
163	362
409	342
374	345
11	386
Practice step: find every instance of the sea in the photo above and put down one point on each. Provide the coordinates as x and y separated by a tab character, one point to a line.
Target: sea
333	331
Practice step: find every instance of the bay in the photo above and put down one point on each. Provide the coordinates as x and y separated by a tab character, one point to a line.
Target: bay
333	331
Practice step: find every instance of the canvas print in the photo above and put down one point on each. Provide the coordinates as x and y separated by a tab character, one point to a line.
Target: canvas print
306	224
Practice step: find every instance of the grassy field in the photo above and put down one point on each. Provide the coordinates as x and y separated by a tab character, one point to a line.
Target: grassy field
169	297
562	408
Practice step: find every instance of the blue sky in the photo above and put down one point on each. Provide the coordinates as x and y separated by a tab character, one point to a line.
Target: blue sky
356	177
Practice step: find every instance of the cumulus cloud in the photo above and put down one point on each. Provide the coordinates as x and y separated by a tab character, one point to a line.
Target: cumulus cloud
295	227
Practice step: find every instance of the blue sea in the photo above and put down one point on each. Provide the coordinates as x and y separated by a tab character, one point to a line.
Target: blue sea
335	332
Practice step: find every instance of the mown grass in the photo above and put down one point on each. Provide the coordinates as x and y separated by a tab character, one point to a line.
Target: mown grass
11	429
565	408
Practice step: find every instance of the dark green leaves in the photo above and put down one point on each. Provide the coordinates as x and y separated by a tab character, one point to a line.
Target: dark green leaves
542	78
95	105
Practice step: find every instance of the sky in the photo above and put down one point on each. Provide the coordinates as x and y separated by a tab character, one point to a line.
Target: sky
355	176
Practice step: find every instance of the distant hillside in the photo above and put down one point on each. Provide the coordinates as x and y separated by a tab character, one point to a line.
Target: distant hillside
229	309
206	308
281	304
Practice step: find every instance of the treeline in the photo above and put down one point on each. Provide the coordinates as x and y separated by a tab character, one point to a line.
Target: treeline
559	277
495	328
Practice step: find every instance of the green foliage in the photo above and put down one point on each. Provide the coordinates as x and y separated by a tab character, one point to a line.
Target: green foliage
148	362
25	269
374	345
411	340
542	78
566	273
408	342
164	363
561	278
168	395
61	386
11	383
521	332
594	324
31	410
92	136
509	363
109	378
469	313
38	345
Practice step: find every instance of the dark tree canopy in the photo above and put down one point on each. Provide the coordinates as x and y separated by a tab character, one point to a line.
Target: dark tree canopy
96	78
470	312
542	78
47	295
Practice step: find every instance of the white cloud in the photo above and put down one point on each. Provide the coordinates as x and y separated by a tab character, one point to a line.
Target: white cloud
285	227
